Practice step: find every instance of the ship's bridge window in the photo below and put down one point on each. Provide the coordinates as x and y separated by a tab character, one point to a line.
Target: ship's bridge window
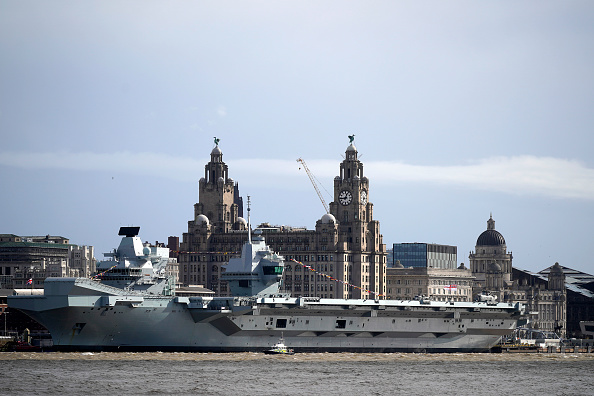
281	323
272	270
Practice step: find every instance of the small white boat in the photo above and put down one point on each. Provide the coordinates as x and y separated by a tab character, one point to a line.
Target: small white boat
280	348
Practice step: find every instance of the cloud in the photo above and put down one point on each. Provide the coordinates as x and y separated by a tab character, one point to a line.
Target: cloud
516	175
523	175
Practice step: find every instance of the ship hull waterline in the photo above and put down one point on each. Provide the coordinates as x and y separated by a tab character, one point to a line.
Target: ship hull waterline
162	324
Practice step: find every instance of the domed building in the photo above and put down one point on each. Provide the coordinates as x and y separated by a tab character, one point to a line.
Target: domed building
491	263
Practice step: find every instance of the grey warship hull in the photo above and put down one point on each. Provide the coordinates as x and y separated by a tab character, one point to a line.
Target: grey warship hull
84	315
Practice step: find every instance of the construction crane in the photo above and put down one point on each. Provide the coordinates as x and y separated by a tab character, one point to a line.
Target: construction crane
311	178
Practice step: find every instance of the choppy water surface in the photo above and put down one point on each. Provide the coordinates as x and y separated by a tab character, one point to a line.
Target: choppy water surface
300	374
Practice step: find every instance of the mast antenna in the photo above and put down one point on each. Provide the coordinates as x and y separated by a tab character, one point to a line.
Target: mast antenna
249	224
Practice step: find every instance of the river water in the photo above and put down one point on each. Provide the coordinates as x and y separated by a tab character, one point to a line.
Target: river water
301	374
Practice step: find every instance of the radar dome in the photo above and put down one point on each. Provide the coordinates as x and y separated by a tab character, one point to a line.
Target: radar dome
146	251
241	220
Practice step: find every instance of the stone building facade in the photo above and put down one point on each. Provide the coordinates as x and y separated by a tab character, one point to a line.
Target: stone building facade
580	298
438	284
491	263
217	230
545	297
345	253
26	261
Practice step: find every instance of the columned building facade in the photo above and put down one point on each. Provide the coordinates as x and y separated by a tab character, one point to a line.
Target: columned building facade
544	296
25	261
491	263
217	231
346	245
344	257
438	284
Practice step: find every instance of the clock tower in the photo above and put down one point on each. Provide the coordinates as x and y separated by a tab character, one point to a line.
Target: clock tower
218	196
359	234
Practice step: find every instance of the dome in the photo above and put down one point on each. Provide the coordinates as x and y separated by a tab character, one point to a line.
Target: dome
490	238
328	218
241	220
398	264
351	148
556	269
462	266
494	267
202	219
216	151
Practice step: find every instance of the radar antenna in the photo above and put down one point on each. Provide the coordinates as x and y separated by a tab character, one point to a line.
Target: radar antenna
313	182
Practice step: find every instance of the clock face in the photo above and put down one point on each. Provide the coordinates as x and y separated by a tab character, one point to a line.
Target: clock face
364	197
345	197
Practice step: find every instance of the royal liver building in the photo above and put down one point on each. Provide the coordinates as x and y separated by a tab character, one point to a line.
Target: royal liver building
344	257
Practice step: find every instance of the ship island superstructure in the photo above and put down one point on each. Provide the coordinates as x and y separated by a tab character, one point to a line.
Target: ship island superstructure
131	306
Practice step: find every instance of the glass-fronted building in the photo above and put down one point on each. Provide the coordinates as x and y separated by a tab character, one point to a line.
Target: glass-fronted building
425	255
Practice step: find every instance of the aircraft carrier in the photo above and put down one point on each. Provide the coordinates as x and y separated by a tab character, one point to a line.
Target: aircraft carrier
130	305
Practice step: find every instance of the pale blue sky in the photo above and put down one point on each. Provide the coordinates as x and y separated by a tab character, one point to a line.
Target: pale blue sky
108	111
